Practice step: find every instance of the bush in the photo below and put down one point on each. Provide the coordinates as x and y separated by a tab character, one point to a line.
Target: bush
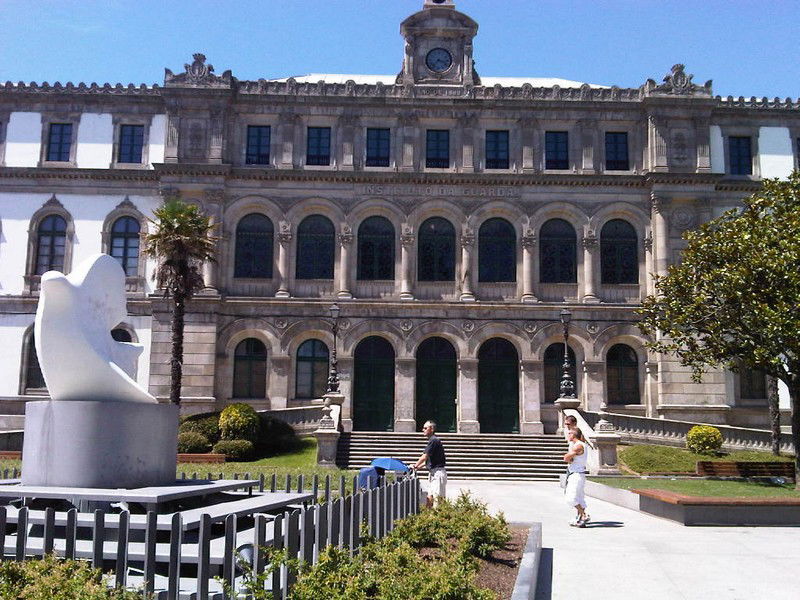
234	449
55	579
276	437
205	423
239	421
192	442
704	439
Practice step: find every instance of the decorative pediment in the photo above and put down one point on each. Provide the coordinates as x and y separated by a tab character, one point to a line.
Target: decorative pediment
678	83
198	74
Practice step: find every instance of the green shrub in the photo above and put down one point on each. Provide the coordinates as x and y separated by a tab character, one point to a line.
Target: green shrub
205	423
50	578
234	449
192	442
276	437
704	439
239	421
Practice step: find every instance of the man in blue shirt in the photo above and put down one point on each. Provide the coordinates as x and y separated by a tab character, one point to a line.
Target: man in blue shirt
434	458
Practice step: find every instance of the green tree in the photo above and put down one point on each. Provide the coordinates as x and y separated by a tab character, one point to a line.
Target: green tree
181	242
734	300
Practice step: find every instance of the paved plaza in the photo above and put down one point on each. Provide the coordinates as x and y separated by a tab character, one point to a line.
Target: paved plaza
626	554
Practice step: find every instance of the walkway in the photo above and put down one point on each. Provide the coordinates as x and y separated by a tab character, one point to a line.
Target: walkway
625	554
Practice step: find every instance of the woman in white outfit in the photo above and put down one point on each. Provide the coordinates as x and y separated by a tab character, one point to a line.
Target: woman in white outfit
576	476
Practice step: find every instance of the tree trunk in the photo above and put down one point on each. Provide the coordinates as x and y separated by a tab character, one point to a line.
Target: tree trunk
794	392
176	362
774	415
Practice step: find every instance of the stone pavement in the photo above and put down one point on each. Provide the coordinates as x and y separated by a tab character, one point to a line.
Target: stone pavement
627	554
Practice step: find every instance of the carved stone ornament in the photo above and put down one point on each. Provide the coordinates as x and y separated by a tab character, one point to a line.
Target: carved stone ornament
281	323
468	237
344	324
648	241
346	236
656	202
592	328
407	236
126	204
530	327
682	218
406	325
589	241
528	238
285	232
678	83
198	74
169	193
467	326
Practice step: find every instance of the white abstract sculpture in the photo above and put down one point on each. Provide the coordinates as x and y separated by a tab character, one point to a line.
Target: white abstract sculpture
78	357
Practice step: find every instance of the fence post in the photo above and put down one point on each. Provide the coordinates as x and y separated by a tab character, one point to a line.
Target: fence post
301	484
355	521
315	487
203	558
277	543
121	567
150	552
273	482
98	533
307	539
71	533
288	483
334	521
345	539
22	533
259	533
261	483
2	533
49	530
292	545
342	486
174	569
230	549
328	488
320	530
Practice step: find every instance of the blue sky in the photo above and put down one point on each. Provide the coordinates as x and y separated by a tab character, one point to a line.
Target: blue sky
748	47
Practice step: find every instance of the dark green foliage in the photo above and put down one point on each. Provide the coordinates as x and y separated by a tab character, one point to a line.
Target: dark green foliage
54	579
239	421
234	449
205	423
192	442
276	437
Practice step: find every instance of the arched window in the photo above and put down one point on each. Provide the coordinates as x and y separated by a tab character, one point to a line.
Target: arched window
557	252
554	370
497	251
375	249
437	251
121	335
124	244
622	375
312	369
34	380
619	262
315	248
752	384
250	369
51	244
253	247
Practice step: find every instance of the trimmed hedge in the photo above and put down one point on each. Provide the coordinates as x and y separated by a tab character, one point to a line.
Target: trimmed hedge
704	439
206	424
192	442
276	437
239	421
234	449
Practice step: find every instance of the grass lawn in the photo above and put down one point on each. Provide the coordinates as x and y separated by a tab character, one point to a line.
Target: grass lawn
705	487
646	458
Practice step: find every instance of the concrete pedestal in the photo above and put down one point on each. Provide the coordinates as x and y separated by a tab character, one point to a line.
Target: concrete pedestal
97	444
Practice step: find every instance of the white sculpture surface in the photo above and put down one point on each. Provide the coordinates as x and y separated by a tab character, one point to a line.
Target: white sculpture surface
76	313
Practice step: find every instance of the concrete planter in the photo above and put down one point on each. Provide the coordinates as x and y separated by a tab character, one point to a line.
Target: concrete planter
528	574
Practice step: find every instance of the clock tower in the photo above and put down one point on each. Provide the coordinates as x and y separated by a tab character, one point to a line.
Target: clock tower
438	48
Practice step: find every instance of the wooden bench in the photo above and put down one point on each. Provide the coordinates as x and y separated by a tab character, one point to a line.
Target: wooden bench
208	457
729	468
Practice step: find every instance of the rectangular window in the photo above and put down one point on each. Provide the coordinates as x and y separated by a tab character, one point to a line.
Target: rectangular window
740	153
378	147
258	137
59	142
497	149
318	150
556	150
437	149
616	151
131	141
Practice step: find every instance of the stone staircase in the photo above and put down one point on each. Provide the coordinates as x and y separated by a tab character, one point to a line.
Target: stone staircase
469	456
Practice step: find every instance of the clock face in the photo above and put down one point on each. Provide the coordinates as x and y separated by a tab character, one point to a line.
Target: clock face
438	60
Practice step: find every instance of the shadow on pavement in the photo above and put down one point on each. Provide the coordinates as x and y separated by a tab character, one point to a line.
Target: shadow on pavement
598	524
544	583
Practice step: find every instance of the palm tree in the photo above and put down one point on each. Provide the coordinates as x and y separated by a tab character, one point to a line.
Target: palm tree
181	241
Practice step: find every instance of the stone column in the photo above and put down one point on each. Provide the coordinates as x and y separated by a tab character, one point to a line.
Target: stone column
345	242
594	373
651	388
529	159
278	380
528	260
660	233
213	202
407	239
467	409
404	395
286	134
284	250
467	244
649	266
532	372
589	243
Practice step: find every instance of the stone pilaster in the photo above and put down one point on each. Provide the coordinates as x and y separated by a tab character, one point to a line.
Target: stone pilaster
284	251
212	204
467	410
589	243
532	373
345	242
467	245
528	127
587	131
660	233
467	125
348	125
404	418
287	123
528	261
407	255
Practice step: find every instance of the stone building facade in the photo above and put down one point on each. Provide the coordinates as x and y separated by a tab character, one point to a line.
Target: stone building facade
451	215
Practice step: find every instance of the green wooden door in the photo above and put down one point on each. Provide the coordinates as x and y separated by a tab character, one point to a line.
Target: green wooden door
436	384
498	387
373	385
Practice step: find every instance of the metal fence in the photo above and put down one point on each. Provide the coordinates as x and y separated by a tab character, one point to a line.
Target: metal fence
159	554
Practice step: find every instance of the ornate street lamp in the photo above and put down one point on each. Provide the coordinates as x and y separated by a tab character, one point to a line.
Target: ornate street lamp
333	374
567	386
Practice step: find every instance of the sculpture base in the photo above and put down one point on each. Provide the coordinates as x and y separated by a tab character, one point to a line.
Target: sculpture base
98	444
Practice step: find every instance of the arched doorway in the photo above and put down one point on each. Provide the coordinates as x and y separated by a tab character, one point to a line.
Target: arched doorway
373	385
436	383
498	387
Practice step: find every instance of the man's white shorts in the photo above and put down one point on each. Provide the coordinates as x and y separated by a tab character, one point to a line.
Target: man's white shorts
437	483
